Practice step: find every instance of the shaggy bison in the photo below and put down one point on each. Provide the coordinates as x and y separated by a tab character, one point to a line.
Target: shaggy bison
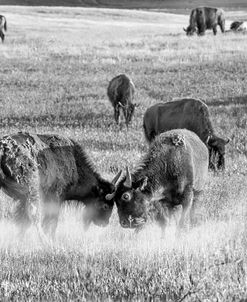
172	175
203	18
191	114
120	92
41	171
3	27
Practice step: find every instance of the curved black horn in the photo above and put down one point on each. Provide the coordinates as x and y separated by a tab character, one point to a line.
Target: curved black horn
116	178
128	181
185	29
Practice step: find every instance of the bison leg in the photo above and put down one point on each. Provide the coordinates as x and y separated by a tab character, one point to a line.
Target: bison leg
34	205
215	30
2	36
196	199
50	216
222	26
21	218
116	114
186	202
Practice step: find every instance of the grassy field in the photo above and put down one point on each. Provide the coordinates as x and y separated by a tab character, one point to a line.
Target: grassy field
55	67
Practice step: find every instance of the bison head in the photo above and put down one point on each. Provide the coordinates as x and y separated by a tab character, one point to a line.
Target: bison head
99	209
128	111
131	202
190	30
217	149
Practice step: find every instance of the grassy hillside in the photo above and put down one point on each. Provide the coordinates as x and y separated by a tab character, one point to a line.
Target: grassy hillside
147	4
55	66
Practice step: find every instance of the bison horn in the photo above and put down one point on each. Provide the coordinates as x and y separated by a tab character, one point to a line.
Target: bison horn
185	29
121	105
110	196
116	178
128	181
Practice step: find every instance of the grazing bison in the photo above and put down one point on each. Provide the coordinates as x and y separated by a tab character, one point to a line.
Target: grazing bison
203	18
238	26
191	114
172	175
41	171
3	26
120	92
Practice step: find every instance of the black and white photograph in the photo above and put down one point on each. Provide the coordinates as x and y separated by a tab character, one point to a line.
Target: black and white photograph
123	150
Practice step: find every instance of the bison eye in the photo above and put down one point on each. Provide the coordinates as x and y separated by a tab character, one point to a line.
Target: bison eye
126	196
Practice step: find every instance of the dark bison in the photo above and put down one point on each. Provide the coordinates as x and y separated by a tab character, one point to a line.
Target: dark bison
238	26
203	18
3	27
172	175
41	171
191	114
120	92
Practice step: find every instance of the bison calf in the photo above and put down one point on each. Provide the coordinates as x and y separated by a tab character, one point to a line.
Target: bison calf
41	171
120	92
172	175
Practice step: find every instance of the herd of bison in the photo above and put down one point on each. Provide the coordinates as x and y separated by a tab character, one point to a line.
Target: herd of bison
40	171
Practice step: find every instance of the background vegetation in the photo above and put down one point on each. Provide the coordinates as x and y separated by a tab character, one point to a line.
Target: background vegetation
55	67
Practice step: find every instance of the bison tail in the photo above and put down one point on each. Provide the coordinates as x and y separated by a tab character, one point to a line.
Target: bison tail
5	25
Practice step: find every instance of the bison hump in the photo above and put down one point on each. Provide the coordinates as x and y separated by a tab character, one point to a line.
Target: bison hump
177	140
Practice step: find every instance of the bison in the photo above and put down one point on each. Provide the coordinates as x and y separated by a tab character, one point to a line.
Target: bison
3	27
238	26
120	92
172	175
191	114
40	171
203	18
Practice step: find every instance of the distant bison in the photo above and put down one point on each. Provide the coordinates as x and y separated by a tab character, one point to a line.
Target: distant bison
191	114
41	171
238	26
120	92
203	18
3	27
172	175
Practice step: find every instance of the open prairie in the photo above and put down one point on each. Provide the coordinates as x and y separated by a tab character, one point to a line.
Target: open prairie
55	68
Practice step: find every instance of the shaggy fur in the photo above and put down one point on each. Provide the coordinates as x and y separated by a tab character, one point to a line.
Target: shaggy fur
203	18
120	92
3	27
171	175
191	114
41	171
